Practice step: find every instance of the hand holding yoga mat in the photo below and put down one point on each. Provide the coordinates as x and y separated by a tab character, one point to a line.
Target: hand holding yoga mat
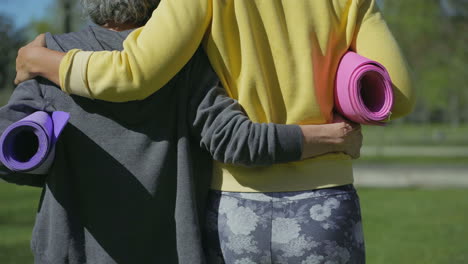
29	145
363	90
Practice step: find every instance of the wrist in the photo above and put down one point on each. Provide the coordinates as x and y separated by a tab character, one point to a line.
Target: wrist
321	139
45	62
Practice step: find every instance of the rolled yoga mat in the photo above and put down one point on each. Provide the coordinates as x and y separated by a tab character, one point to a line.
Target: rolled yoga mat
28	145
363	90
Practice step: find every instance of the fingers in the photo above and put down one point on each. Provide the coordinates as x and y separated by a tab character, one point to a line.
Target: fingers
355	153
354	142
39	41
351	127
22	71
21	76
337	118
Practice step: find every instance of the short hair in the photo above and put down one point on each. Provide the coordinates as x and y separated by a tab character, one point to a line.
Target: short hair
121	12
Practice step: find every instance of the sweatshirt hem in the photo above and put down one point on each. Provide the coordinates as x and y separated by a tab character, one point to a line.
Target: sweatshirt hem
323	172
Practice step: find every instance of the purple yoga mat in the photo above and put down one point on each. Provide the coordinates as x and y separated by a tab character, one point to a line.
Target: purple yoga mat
29	145
363	90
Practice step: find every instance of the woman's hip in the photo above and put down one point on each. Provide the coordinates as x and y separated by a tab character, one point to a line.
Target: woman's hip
285	227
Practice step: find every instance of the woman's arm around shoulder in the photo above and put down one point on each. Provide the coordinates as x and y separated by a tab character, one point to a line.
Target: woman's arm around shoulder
152	55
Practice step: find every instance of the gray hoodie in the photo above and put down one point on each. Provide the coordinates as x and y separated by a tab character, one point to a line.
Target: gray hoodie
129	180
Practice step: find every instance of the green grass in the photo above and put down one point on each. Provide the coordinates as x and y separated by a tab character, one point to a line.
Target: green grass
17	210
5	95
375	160
414	226
416	134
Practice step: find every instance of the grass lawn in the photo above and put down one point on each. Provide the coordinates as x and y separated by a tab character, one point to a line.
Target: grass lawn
17	210
414	226
372	160
416	134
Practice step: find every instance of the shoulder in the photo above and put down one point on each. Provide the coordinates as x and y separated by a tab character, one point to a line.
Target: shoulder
71	40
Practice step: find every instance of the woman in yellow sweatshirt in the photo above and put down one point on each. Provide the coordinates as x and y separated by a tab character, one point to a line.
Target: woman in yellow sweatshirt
278	59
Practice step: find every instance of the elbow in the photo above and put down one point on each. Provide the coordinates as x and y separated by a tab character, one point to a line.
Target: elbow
248	161
135	90
227	158
239	158
403	110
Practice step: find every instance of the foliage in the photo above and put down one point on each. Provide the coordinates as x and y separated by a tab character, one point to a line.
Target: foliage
12	40
432	33
67	17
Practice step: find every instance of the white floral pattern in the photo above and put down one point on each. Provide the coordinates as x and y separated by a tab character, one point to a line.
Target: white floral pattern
242	244
313	227
227	204
322	212
242	220
298	247
313	259
244	261
284	230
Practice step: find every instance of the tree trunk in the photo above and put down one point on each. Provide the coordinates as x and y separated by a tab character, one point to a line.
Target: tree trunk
67	15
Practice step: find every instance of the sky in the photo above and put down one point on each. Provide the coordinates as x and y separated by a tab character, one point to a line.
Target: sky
23	11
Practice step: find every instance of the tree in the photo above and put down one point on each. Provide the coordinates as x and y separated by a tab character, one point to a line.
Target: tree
67	6
12	40
432	34
67	17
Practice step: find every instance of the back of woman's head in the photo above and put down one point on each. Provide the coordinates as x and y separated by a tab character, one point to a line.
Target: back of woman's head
120	12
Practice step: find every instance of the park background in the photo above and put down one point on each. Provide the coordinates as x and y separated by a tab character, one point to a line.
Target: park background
413	174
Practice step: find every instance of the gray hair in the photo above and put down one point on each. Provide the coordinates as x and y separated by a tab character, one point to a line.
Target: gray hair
134	12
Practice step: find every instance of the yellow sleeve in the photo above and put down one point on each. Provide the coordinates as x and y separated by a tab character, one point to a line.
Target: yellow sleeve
374	40
152	55
77	74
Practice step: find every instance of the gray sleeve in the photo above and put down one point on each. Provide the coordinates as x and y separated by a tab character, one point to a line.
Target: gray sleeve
25	100
225	131
229	135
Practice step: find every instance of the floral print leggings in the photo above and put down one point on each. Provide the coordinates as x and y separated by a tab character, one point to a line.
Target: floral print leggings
308	227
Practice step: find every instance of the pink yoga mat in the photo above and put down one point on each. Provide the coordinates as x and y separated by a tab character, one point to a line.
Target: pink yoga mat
363	90
29	145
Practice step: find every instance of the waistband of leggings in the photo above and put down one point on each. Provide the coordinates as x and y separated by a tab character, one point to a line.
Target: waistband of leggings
290	196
